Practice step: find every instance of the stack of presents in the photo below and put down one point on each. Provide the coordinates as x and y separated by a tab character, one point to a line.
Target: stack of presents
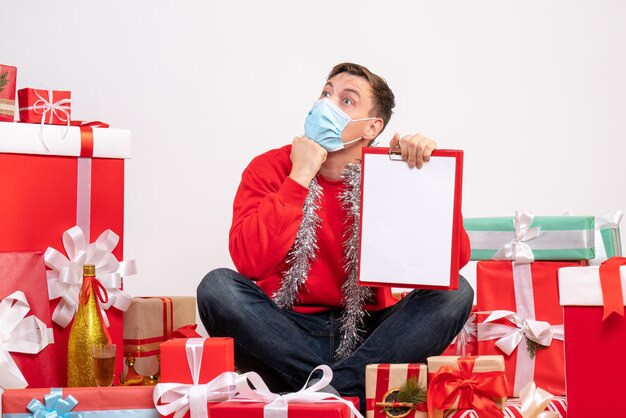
544	337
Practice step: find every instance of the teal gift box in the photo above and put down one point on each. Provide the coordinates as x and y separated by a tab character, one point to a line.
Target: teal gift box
527	238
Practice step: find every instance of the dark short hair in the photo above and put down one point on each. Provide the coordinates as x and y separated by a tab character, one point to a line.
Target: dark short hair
384	100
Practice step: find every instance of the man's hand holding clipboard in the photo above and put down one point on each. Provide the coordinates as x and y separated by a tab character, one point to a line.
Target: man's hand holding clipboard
421	248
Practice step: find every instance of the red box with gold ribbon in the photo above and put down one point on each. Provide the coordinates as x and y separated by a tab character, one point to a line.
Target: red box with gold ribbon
526	321
113	401
47	188
466	383
595	327
8	76
150	321
52	107
383	383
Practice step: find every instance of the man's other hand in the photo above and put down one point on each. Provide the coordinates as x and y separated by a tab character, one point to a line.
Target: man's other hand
307	156
416	149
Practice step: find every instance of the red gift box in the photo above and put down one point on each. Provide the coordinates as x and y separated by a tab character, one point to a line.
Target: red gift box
380	379
26	272
594	346
464	344
51	107
193	361
8	76
233	409
218	356
529	292
116	401
45	195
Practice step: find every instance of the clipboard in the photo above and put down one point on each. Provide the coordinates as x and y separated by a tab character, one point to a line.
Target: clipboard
410	220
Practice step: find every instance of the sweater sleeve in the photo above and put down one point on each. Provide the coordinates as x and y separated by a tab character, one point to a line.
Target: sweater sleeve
267	212
464	248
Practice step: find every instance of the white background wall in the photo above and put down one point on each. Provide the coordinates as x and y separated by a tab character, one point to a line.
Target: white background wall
533	91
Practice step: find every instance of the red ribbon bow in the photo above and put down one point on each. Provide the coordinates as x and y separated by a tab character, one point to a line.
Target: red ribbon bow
473	390
611	283
93	285
187	331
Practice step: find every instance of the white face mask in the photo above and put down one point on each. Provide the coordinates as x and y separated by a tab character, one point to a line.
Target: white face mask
325	123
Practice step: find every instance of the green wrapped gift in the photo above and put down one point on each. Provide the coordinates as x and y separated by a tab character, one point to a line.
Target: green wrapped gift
526	238
608	239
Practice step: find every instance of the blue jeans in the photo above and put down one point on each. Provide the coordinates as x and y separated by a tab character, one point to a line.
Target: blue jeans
284	346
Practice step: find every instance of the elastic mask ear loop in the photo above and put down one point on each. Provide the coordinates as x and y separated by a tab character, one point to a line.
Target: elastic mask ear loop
353	141
359	138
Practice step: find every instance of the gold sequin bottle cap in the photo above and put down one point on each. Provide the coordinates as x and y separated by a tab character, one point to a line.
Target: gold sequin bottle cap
89	270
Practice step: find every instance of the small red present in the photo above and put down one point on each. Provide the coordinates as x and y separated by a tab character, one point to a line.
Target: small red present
194	373
117	401
595	327
217	355
466	383
464	344
526	323
383	383
25	323
8	76
52	107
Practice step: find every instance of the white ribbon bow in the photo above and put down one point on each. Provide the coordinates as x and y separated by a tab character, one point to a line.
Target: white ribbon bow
534	401
541	332
46	108
19	334
66	277
467	334
517	249
278	404
179	398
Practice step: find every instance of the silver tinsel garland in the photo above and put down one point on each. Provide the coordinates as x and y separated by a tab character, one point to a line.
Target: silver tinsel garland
303	250
354	296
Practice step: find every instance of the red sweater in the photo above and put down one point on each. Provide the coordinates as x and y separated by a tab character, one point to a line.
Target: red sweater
267	214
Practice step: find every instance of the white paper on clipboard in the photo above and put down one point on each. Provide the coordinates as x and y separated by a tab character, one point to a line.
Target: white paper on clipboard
407	222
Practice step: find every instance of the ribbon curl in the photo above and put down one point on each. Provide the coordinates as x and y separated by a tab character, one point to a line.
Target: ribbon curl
65	276
472	390
517	249
19	334
534	402
54	406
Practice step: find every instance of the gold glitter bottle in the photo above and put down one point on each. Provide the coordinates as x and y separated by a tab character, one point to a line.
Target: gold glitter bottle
87	330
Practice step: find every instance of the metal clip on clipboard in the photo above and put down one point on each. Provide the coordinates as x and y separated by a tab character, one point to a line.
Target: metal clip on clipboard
395	154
